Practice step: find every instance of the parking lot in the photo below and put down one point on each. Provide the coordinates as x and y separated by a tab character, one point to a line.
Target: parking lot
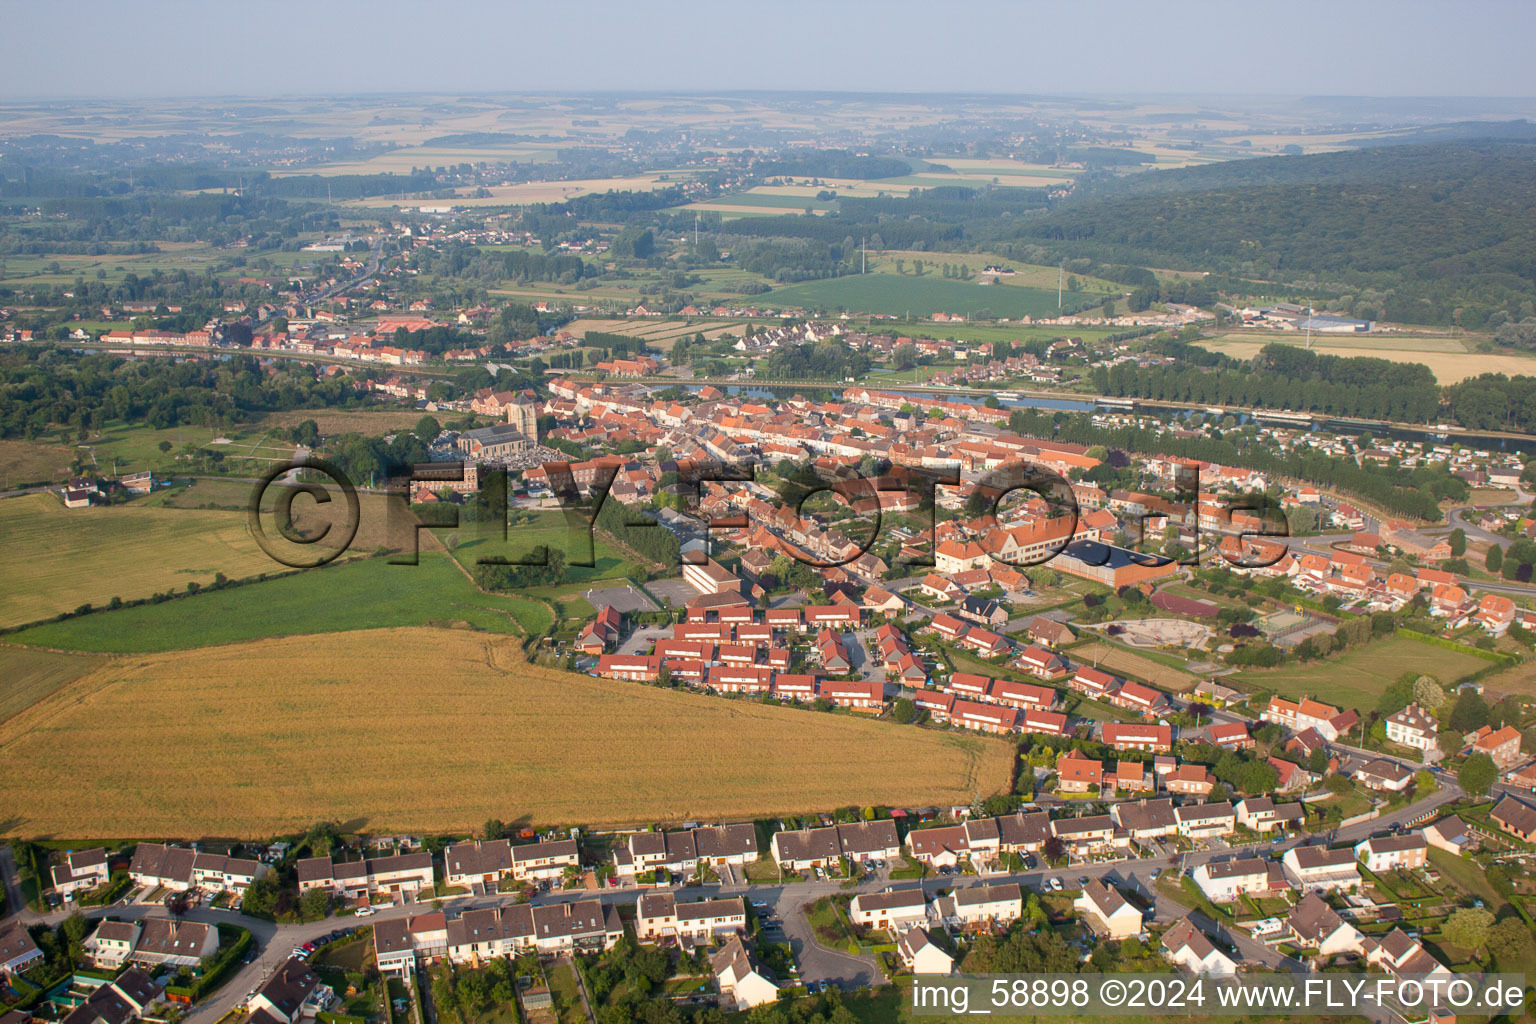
671	593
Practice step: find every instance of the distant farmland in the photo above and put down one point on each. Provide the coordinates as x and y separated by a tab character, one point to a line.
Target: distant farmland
438	730
920	296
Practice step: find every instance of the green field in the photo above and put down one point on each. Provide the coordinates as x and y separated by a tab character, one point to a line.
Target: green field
365	594
1358	676
56	559
549	529
920	296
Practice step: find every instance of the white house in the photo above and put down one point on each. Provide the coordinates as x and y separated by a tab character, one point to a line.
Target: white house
1189	947
921	955
742	981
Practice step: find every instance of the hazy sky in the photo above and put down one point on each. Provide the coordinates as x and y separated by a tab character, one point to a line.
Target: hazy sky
283	47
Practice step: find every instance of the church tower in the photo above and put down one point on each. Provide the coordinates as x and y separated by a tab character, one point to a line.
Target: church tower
524	413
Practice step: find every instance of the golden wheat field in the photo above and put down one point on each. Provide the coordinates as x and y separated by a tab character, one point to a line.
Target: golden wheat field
437	730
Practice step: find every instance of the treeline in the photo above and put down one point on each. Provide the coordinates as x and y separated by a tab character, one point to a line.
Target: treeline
1493	401
1415	493
1280	377
786	260
615	344
1434	234
44	388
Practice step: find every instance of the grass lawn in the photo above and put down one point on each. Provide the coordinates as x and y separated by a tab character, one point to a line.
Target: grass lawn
27	676
562	984
1358	676
365	594
574	539
1468	876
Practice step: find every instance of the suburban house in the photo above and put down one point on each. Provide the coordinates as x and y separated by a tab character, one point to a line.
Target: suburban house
659	918
483	862
1313	924
124	999
1398	954
921	955
1090	834
548	859
1384	775
17	950
1262	814
584	925
742	981
1206	821
1076	774
1146	819
1230	735
716	845
1320	869
1413	727
1189	780
1226	881
155	864
215	872
1388	853
173	942
1106	912
111	943
1191	949
979	906
893	911
1503	745
1138	736
403	875
398	941
1450	834
1516	817
292	993
818	847
80	869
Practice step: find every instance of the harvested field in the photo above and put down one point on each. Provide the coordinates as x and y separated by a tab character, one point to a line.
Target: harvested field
28	675
432	730
1447	358
1125	663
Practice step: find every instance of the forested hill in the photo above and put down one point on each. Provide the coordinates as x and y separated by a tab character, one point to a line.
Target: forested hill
1412	233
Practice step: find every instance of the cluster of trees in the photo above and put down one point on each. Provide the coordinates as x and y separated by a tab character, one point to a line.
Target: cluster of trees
1281	377
466	992
825	360
1239	772
43	388
615	344
641	534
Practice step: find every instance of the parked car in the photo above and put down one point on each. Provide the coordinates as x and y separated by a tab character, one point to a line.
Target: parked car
1054	885
364	911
